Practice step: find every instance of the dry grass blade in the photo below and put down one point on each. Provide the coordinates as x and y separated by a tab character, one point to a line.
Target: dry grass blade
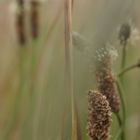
68	60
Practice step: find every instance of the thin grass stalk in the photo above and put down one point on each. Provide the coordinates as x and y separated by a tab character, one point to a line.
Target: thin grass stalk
24	80
120	123
44	38
33	86
123	61
69	64
117	137
39	49
121	93
34	22
35	4
123	57
124	35
22	91
126	70
137	65
62	125
118	119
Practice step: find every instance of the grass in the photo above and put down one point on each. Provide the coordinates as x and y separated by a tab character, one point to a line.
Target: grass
47	95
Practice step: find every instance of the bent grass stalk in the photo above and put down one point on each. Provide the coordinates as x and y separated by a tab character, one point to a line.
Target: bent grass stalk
127	70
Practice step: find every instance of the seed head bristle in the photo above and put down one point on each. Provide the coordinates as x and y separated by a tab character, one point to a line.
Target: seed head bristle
108	51
99	116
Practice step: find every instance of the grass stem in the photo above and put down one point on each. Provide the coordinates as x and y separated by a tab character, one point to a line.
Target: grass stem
121	93
69	64
123	60
123	56
127	69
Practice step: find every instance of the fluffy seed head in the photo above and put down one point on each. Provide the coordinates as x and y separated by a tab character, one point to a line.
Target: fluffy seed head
99	116
106	51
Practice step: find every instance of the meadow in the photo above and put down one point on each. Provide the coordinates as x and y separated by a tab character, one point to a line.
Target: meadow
58	58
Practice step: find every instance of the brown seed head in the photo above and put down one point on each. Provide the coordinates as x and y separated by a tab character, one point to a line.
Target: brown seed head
20	3
35	18
20	23
106	82
124	33
99	116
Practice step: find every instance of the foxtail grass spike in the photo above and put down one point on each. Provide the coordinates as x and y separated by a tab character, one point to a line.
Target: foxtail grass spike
99	116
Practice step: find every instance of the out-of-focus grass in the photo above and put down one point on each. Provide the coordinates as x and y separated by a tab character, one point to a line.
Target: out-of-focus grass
51	116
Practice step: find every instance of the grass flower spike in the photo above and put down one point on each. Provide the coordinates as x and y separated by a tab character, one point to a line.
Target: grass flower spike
106	81
99	116
124	33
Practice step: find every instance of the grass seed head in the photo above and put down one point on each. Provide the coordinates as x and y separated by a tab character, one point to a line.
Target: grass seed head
124	33
99	116
35	18
20	22
106	81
